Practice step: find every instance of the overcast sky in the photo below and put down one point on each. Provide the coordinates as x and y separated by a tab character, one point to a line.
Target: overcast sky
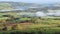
34	1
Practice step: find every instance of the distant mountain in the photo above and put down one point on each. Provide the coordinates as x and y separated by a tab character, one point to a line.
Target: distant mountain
27	6
15	5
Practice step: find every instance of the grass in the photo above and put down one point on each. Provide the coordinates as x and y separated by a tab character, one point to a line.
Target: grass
41	26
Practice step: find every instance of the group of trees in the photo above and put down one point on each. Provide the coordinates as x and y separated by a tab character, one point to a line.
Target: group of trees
5	27
12	23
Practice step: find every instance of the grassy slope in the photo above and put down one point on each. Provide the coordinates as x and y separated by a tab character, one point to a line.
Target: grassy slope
45	26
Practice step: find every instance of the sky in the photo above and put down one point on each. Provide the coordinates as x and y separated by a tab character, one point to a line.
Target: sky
34	1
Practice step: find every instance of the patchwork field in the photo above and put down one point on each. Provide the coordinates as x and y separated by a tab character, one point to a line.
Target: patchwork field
10	23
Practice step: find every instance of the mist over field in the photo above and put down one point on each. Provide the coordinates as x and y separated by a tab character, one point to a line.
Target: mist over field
49	9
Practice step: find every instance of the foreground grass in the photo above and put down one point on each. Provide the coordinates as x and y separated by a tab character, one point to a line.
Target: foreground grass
34	31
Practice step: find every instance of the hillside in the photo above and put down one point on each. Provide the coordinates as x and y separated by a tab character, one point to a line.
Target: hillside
27	6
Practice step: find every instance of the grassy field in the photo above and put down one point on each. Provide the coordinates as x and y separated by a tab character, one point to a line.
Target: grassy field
13	24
